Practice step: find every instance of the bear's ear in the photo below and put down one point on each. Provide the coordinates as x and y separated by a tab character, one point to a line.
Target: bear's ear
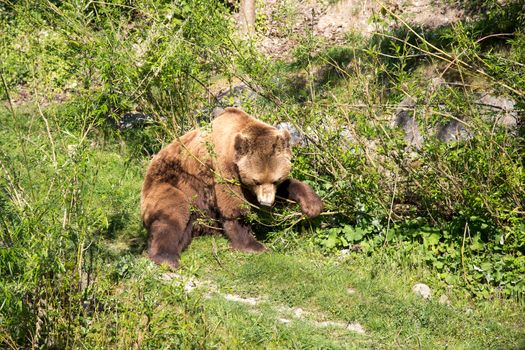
240	145
284	139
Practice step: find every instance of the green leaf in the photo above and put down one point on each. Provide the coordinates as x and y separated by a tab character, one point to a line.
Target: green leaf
476	245
486	266
433	239
438	265
330	242
353	234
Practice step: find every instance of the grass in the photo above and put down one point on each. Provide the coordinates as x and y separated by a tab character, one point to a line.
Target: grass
380	300
101	291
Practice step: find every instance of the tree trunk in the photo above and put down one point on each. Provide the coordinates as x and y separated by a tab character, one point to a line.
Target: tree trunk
247	16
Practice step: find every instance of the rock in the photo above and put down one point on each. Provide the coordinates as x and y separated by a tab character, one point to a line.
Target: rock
297	137
453	130
503	108
344	16
444	300
217	111
132	120
344	252
169	276
356	327
347	137
350	290
71	150
236	96
189	284
422	290
353	326
298	312
435	83
498	110
331	21
329	324
404	118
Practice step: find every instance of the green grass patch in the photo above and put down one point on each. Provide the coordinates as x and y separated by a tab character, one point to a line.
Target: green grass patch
346	290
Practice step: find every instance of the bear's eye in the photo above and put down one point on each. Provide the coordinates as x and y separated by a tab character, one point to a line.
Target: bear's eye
257	183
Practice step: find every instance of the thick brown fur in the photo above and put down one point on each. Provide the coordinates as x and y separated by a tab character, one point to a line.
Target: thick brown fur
207	181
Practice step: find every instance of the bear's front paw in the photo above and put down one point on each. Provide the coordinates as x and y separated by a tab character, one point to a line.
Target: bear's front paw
312	208
251	247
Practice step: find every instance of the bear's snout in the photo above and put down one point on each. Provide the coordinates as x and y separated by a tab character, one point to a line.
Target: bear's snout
265	194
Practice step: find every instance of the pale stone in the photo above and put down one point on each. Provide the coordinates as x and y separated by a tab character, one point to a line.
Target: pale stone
422	290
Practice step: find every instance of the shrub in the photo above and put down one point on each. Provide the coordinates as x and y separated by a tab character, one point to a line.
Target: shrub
458	203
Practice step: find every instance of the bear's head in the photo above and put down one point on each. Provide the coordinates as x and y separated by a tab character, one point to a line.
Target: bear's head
263	158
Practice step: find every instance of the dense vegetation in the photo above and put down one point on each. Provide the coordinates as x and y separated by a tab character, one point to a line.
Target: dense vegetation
71	167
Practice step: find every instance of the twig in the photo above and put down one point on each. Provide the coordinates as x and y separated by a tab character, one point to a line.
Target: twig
215	254
493	36
391	210
16	195
463	250
13	113
53	148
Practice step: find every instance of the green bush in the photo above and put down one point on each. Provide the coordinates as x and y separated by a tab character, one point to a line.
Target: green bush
459	204
62	207
155	57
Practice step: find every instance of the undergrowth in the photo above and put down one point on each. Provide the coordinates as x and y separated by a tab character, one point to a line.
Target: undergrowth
449	189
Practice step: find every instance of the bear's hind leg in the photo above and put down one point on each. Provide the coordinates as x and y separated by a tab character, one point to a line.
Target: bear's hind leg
167	239
170	227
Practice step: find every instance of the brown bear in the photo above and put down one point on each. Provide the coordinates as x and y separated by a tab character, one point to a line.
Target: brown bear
207	180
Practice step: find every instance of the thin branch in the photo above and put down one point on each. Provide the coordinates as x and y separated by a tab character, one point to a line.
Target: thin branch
11	106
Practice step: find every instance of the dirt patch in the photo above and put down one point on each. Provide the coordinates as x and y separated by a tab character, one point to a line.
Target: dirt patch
330	23
188	283
285	315
238	299
311	318
353	326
